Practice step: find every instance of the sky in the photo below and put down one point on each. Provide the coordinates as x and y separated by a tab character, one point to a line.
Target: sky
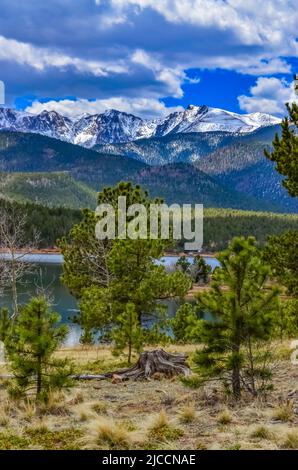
148	57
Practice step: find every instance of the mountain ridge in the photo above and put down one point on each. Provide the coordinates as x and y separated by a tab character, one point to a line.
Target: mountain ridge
114	126
32	153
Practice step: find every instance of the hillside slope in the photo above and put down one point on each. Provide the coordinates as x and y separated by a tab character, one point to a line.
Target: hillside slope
188	147
48	189
178	182
21	152
183	183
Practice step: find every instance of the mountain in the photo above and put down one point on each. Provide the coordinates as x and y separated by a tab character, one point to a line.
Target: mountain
39	158
235	160
187	148
114	126
47	189
243	167
21	152
183	183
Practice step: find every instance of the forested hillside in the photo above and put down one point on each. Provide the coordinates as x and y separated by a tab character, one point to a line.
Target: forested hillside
48	189
20	152
220	225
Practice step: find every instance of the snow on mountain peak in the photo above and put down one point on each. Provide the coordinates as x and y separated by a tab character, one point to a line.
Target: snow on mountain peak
114	126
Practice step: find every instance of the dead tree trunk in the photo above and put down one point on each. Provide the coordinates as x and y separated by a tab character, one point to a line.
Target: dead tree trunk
149	363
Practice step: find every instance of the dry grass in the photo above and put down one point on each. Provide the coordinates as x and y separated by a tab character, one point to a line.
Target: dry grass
188	414
109	434
290	441
262	432
156	414
224	418
161	430
283	413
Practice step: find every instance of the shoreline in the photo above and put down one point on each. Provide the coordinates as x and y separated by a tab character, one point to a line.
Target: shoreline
56	251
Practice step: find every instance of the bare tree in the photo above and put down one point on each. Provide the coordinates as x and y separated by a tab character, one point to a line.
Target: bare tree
14	251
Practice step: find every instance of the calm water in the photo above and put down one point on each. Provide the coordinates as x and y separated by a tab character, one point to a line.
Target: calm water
47	277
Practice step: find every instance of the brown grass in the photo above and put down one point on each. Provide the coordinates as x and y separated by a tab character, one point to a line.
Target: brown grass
156	414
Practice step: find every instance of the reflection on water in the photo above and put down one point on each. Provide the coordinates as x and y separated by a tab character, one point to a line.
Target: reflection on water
47	277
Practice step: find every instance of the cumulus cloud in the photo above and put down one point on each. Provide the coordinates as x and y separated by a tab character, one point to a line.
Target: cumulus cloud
139	48
143	107
41	58
268	95
173	77
273	21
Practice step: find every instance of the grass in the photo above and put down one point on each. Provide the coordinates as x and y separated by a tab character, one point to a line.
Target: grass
155	414
188	414
291	440
261	432
110	434
66	439
224	418
162	430
283	413
99	407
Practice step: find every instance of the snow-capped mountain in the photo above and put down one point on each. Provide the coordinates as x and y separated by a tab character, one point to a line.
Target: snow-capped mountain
117	127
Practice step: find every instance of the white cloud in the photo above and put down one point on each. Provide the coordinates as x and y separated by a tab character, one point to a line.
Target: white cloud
268	95
41	58
172	77
271	22
143	107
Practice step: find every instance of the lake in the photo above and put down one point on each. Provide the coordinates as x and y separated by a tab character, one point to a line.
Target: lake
47	277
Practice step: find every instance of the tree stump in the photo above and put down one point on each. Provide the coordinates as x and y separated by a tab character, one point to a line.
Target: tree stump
149	363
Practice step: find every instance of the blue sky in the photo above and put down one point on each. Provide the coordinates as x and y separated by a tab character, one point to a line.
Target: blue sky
148	57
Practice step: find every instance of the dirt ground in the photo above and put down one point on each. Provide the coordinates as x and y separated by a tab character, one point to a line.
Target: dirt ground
157	414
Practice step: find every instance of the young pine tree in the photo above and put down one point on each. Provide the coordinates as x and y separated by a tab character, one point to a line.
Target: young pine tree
128	332
34	337
244	308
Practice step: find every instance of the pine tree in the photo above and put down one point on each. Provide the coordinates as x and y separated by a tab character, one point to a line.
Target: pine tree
199	270
287	320
34	338
128	332
184	322
183	264
5	324
127	273
244	308
282	255
281	252
285	150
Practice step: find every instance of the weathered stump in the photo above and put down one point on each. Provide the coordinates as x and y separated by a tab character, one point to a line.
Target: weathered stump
149	363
